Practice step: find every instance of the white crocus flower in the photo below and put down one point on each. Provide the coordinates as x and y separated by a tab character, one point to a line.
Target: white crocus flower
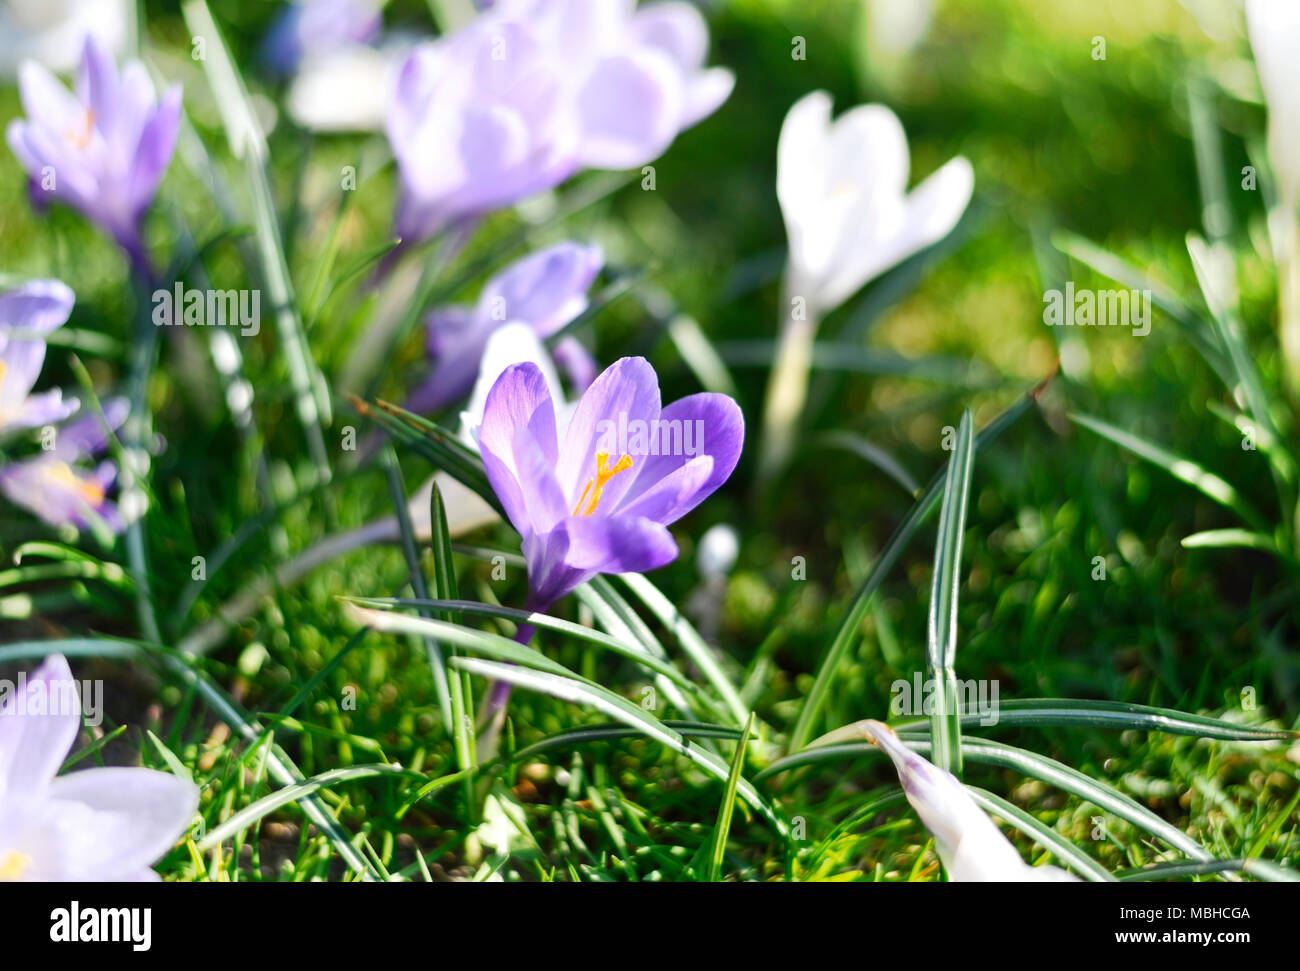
1274	28
52	32
466	510
92	825
972	848
843	191
842	186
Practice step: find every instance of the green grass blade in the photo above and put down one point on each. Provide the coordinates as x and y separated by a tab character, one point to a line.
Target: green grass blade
898	542
570	689
1202	480
941	640
692	643
1047	838
723	828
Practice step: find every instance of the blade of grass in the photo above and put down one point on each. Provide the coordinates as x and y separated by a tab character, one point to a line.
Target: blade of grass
941	639
1204	481
858	607
570	689
723	828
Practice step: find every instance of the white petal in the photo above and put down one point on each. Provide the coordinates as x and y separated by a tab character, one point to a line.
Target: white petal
971	847
114	821
34	745
1274	28
464	508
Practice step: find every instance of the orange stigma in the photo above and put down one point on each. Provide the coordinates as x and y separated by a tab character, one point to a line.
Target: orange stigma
604	472
81	139
87	489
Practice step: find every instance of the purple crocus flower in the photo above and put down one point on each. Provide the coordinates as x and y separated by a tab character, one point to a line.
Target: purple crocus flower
57	487
601	500
102	150
27	313
313	27
544	290
532	91
103	824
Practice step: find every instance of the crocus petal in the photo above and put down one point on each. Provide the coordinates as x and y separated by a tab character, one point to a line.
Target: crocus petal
709	425
512	343
44	96
619	544
518	400
929	214
97	85
627	391
577	361
705	94
155	149
631	107
1274	29
535	471
464	508
546	289
676	28
971	847
39	306
87	435
46	408
37	730
137	815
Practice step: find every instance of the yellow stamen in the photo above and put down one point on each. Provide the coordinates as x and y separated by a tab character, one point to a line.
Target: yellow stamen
81	139
89	489
12	865
604	472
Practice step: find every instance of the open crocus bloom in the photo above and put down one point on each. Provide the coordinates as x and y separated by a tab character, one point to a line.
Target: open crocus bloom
971	847
599	498
56	487
544	290
531	91
27	313
51	31
843	191
95	825
103	150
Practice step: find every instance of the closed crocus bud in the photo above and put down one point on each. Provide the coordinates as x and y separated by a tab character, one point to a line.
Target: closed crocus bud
102	150
103	824
51	32
842	186
545	290
1274	28
972	849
